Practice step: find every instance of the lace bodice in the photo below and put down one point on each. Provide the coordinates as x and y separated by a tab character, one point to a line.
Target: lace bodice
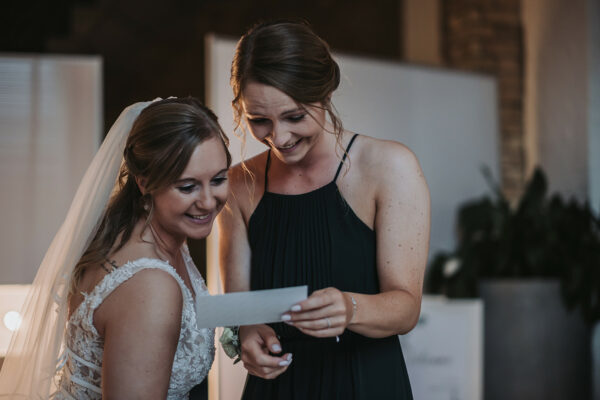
80	370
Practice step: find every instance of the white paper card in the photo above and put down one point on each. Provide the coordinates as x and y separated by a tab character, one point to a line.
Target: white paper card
247	308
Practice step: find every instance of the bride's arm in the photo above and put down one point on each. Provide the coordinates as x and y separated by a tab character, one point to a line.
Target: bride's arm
140	322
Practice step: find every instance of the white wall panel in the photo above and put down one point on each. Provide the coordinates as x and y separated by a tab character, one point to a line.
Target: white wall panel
50	128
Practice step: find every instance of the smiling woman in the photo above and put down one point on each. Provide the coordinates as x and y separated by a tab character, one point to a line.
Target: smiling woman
288	128
129	314
345	214
189	206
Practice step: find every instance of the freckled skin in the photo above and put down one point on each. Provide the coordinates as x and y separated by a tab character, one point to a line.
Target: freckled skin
395	204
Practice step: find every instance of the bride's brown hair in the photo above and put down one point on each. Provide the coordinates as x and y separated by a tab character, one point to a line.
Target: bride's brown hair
158	148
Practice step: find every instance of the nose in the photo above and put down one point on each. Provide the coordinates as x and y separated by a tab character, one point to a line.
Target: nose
206	199
279	136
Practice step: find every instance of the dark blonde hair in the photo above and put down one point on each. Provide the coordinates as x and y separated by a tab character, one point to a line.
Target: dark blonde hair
158	148
290	57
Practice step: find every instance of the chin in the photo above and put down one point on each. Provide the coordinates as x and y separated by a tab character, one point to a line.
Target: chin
299	154
292	158
198	232
197	235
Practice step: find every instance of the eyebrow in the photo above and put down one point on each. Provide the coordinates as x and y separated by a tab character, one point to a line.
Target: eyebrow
291	111
195	180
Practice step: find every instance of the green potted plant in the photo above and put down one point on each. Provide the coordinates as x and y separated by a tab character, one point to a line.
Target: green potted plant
537	268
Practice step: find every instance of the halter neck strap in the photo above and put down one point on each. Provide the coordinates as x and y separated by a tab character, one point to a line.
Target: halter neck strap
267	170
344	157
268	164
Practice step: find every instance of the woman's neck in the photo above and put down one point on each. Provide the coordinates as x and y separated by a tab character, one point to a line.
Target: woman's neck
316	169
167	247
321	153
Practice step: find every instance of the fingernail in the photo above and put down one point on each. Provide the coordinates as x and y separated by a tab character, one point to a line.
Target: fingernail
276	348
283	363
289	357
286	317
296	307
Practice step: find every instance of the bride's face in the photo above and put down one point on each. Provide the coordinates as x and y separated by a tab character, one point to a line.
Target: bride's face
188	207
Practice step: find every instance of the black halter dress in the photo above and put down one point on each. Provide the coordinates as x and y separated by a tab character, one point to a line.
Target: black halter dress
315	239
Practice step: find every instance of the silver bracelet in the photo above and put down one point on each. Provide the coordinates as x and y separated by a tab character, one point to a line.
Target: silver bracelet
354	308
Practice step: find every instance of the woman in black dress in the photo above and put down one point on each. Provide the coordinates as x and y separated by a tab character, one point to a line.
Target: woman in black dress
346	214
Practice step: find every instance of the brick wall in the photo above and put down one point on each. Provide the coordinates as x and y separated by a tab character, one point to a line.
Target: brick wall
486	36
152	49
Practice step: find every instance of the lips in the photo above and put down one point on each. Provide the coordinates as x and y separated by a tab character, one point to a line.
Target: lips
199	218
289	148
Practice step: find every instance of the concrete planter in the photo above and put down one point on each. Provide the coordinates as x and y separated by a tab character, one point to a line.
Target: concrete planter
534	347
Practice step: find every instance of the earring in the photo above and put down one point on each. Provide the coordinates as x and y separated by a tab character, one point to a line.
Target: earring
147	202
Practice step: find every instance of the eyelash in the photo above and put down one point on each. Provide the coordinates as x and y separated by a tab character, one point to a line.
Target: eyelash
257	121
219	180
186	189
293	119
189	188
296	118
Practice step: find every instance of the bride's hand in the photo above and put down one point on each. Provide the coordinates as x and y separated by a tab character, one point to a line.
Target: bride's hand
258	342
325	313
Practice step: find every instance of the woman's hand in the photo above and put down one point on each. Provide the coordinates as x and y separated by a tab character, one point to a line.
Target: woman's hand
325	313
258	342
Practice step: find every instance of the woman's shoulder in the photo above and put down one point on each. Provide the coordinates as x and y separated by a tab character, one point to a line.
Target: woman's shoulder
137	266
246	182
147	274
143	285
395	171
140	276
251	168
376	154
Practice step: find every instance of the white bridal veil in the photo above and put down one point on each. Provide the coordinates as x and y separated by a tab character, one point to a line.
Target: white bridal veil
33	355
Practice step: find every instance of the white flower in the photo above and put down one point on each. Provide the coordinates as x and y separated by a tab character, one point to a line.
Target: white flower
230	343
451	266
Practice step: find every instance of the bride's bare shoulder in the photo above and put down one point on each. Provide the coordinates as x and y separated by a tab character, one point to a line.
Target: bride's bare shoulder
150	295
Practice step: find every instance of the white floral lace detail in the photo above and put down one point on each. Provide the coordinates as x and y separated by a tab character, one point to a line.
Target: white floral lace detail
79	371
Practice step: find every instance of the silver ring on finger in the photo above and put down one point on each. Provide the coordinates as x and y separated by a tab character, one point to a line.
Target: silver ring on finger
328	323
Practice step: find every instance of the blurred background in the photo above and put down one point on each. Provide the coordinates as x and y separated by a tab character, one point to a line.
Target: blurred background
540	63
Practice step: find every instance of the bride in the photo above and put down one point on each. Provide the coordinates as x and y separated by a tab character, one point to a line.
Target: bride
111	311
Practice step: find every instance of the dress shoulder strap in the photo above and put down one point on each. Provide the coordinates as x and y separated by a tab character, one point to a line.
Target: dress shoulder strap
119	275
344	157
267	165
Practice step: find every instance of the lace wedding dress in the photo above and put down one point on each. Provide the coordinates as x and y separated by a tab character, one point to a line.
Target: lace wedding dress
80	373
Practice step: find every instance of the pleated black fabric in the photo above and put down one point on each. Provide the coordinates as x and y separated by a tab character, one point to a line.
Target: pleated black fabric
315	239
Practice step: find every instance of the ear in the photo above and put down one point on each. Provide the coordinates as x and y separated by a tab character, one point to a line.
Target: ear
141	182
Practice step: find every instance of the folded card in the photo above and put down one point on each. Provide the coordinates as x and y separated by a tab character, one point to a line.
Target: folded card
247	308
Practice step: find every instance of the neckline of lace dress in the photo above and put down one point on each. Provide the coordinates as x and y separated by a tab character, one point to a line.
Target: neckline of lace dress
94	292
